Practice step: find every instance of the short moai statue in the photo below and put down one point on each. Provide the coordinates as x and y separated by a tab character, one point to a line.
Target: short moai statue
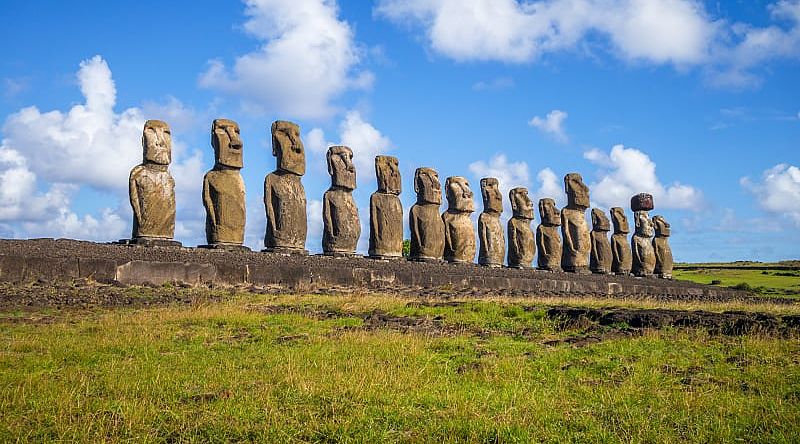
644	258
151	189
223	189
492	240
548	238
574	229
521	242
459	233
662	249
620	247
427	227
600	260
386	211
284	195
341	227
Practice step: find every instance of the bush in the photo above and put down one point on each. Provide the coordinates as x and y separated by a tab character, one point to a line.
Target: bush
716	282
742	286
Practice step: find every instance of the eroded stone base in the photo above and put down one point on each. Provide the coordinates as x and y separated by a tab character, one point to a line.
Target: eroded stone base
286	251
225	247
150	242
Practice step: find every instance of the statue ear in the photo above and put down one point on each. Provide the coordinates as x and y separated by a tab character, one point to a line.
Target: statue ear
416	181
330	162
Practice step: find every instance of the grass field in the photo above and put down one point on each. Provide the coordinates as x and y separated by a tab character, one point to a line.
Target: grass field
317	369
784	283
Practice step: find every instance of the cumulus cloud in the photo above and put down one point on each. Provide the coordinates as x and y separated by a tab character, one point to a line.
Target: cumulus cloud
306	58
552	124
778	191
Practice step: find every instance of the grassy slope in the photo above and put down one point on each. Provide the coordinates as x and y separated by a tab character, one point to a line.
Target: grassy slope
777	283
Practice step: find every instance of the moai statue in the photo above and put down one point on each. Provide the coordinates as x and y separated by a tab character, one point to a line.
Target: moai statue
600	260
427	227
223	189
386	211
644	257
548	238
459	233
662	249
620	247
152	189
574	230
284	195
521	243
341	227
490	230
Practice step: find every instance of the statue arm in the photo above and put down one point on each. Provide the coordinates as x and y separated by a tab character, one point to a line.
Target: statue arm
133	194
373	215
414	226
446	231
208	202
326	217
268	205
567	231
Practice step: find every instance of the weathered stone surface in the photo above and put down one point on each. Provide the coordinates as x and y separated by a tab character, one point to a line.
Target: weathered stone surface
621	260
459	233
644	257
341	227
521	242
151	187
223	187
574	229
661	248
284	195
642	202
548	237
600	261
492	240
427	227
386	211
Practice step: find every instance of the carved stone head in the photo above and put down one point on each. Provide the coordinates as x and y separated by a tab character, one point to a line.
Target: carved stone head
577	192
460	198
340	167
662	226
521	204
644	228
227	143
388	174
492	199
550	214
288	148
600	221
620	220
427	186
156	143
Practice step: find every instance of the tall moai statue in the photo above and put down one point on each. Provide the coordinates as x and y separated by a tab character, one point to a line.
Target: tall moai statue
341	227
459	233
151	189
644	257
521	243
427	227
223	189
492	240
284	195
621	258
386	211
600	260
548	238
574	230
662	249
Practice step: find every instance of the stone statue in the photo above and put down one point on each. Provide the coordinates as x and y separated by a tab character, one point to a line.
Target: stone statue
386	211
521	243
548	239
574	230
600	260
341	227
427	227
663	252
223	189
152	189
284	195
490	230
620	247
644	258
459	233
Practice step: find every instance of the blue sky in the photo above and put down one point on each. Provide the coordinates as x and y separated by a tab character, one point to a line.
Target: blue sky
696	102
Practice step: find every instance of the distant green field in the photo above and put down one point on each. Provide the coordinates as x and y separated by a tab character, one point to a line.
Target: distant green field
784	283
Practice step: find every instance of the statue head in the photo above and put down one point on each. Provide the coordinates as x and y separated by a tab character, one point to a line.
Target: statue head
459	195
340	167
288	148
388	174
600	221
642	202
521	204
550	214
227	143
662	226
156	143
619	220
427	186
492	199
644	228
577	192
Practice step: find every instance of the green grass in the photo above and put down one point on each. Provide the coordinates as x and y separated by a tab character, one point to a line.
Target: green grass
768	282
231	371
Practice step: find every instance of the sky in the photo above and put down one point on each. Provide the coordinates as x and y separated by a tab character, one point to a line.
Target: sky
695	102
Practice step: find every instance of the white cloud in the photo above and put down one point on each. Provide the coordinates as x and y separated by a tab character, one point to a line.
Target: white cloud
778	191
552	124
306	58
496	84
